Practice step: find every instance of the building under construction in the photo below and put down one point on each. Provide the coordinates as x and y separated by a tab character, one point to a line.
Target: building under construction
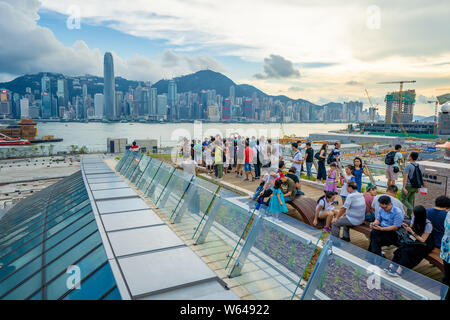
408	100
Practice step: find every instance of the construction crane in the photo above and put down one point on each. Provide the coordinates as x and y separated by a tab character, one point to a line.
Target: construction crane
373	113
400	98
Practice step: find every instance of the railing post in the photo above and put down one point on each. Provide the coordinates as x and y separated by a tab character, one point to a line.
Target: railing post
209	222
165	186
247	246
181	198
318	268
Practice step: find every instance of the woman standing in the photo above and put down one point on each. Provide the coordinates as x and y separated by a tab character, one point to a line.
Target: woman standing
410	253
321	171
358	170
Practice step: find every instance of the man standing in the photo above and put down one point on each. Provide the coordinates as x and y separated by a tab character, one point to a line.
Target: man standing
392	161
134	147
412	181
297	159
351	214
218	158
248	156
309	159
387	220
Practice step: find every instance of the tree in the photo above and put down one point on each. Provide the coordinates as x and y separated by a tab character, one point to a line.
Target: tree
83	150
73	149
50	149
42	147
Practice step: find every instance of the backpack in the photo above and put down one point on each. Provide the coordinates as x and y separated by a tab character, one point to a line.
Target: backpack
331	158
389	160
317	156
416	180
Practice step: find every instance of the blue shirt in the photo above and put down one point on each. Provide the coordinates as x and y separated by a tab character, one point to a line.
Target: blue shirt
437	218
392	218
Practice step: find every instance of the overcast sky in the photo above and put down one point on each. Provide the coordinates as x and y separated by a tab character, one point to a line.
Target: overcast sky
316	50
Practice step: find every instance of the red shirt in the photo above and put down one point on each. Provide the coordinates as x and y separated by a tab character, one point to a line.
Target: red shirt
248	153
369	199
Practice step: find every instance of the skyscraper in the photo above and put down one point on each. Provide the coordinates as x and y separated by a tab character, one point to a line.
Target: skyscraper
62	93
99	104
45	84
109	87
172	93
232	94
24	108
153	101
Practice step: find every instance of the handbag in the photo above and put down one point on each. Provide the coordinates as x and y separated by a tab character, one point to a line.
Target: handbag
405	239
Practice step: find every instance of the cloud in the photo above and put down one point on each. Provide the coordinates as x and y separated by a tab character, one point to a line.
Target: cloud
26	47
353	83
277	67
295	89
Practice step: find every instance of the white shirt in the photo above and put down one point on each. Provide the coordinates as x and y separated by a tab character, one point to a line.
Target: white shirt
356	208
395	202
297	157
188	166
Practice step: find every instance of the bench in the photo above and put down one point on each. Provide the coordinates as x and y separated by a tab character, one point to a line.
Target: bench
306	208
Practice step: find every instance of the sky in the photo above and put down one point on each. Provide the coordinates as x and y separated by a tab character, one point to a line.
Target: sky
318	50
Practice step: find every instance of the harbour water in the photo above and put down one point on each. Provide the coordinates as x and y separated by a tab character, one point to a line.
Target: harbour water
93	135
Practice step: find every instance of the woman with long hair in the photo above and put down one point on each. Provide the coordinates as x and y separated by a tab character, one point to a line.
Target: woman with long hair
358	170
321	171
410	253
325	210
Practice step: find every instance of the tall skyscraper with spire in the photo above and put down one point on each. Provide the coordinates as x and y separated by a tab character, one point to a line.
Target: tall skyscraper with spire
109	87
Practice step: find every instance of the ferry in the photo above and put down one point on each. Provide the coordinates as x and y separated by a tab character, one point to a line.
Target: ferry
7	141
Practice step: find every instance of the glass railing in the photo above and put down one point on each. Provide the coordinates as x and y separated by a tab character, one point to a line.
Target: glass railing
148	175
193	208
122	160
160	182
274	257
127	162
346	272
140	169
133	165
174	192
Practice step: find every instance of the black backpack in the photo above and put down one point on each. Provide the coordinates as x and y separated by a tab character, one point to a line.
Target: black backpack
317	156
416	180
389	160
331	158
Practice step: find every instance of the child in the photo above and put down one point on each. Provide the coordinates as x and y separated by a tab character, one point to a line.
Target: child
208	159
347	176
277	204
325	209
332	179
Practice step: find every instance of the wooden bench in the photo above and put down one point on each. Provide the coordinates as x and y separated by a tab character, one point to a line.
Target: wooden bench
306	209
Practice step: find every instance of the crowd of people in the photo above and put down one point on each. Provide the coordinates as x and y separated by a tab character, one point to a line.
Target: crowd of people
415	230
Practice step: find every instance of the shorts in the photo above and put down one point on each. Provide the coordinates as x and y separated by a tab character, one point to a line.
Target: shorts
390	174
247	167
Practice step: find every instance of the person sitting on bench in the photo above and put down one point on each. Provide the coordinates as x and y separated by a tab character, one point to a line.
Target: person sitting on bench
325	209
437	217
415	246
288	187
387	221
351	214
292	173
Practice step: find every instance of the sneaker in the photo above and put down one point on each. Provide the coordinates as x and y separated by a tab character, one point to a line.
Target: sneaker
246	179
345	239
391	272
327	229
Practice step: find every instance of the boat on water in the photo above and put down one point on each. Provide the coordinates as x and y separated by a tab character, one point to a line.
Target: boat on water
8	141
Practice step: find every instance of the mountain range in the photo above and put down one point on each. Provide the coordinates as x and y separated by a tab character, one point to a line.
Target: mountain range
195	82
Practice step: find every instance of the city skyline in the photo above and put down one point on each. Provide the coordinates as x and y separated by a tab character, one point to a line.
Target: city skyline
318	52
